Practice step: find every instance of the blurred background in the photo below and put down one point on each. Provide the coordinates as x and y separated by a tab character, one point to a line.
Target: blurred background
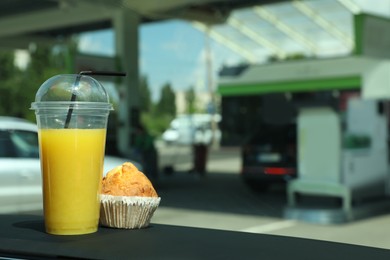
264	116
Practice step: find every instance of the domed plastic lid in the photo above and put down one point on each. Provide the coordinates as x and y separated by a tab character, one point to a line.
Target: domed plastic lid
80	91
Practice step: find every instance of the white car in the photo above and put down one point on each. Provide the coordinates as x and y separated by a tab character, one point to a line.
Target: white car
20	169
190	129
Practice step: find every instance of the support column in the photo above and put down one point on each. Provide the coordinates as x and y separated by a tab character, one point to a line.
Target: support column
125	24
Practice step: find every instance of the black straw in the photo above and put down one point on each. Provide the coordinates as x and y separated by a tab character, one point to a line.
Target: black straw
102	73
76	83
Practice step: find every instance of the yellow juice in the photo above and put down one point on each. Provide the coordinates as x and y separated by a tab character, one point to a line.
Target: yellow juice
72	167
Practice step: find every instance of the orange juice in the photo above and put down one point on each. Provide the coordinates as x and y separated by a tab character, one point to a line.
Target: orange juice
72	167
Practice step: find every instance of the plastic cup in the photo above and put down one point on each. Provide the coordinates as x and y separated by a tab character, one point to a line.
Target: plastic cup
71	112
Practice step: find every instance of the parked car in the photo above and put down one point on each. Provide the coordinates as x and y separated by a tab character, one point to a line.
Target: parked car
192	128
20	170
270	156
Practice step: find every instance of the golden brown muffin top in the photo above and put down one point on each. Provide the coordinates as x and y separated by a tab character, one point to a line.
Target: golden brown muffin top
127	180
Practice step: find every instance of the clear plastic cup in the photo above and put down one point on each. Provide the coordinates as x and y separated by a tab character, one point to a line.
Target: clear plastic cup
71	112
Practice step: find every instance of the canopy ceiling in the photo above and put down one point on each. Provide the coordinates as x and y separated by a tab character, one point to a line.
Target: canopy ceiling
295	28
254	29
22	21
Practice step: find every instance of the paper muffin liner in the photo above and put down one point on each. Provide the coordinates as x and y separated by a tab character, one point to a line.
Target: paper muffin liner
127	212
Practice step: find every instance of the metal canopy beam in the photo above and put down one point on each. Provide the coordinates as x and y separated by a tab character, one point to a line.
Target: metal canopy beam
23	42
52	18
226	42
254	36
323	23
351	6
286	29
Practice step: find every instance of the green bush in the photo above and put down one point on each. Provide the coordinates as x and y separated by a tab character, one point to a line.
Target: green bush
156	124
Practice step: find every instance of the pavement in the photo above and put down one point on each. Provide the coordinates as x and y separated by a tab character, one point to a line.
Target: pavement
220	200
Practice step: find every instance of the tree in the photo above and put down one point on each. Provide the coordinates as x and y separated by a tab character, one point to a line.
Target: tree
18	87
191	101
145	96
8	68
167	102
13	95
44	64
160	114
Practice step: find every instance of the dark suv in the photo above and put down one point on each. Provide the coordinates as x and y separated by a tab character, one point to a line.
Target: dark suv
270	156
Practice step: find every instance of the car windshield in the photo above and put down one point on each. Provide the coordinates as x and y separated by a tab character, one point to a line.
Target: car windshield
274	134
19	144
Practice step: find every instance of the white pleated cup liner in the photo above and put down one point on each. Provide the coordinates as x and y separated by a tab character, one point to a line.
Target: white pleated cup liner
127	212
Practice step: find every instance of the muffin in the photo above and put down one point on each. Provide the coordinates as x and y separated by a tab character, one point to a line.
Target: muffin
128	198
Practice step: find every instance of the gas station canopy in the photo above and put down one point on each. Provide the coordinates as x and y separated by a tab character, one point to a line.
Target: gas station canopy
305	28
23	21
256	30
